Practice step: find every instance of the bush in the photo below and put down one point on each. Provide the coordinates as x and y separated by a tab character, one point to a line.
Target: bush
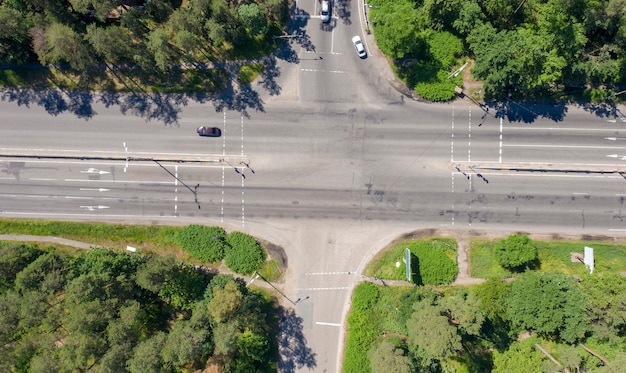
361	329
202	242
516	252
244	254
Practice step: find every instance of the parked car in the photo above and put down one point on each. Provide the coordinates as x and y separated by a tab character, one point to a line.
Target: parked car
325	13
209	131
358	45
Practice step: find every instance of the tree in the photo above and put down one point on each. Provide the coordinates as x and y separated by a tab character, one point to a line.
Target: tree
396	29
386	356
225	336
46	266
429	330
183	343
13	259
225	302
63	45
607	304
551	304
519	358
113	43
154	272
515	252
463	311
147	355
253	18
252	353
183	287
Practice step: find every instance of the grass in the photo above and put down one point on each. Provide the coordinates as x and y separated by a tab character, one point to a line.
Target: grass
247	73
389	263
554	256
150	238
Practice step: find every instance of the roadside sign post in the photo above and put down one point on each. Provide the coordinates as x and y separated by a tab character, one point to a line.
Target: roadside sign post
407	260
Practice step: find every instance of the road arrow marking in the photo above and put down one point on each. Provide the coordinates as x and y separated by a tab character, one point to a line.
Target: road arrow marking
615	138
95	171
97	189
92	208
622	157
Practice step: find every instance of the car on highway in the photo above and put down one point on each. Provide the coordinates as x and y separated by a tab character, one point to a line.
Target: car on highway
209	131
325	13
358	45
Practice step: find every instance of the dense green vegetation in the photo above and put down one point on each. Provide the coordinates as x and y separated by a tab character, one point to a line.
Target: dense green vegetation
109	311
193	244
136	44
499	326
516	252
526	48
433	261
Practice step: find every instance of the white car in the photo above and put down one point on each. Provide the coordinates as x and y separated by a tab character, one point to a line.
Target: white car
325	13
358	45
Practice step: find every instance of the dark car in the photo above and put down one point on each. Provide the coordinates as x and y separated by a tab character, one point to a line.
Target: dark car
209	131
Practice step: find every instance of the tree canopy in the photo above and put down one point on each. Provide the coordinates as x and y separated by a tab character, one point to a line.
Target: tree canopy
111	311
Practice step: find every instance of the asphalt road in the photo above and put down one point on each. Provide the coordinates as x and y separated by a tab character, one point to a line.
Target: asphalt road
334	167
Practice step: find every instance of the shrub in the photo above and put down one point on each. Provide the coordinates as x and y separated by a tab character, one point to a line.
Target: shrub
515	252
361	329
202	242
244	254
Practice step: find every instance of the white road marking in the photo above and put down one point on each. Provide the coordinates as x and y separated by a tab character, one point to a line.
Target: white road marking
327	323
329	273
323	71
563	146
324	289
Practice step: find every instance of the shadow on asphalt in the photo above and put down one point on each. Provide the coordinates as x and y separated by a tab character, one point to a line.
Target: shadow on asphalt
531	110
294	353
166	107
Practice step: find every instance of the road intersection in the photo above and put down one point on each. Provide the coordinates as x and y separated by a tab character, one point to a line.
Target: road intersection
335	167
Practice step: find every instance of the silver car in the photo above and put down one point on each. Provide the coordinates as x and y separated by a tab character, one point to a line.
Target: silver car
358	45
325	13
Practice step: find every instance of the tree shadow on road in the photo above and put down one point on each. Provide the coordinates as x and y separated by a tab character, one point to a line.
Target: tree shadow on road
292	347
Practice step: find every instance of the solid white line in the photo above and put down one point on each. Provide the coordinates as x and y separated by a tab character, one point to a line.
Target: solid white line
323	289
41	179
121	181
99	215
560	129
329	273
617	230
327	323
564	146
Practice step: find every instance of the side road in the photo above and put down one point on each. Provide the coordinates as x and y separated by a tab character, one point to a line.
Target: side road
462	278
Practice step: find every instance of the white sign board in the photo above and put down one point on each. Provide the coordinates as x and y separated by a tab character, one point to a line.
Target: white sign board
588	260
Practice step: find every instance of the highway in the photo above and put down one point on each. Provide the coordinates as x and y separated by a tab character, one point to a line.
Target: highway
332	169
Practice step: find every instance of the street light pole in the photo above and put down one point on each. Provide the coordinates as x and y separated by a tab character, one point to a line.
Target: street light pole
257	275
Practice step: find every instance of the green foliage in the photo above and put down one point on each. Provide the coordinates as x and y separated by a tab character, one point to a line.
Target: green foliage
225	302
444	47
491	295
253	17
516	252
115	312
550	304
247	73
521	357
13	259
361	329
202	242
395	30
607	305
386	356
243	254
429	330
434	262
